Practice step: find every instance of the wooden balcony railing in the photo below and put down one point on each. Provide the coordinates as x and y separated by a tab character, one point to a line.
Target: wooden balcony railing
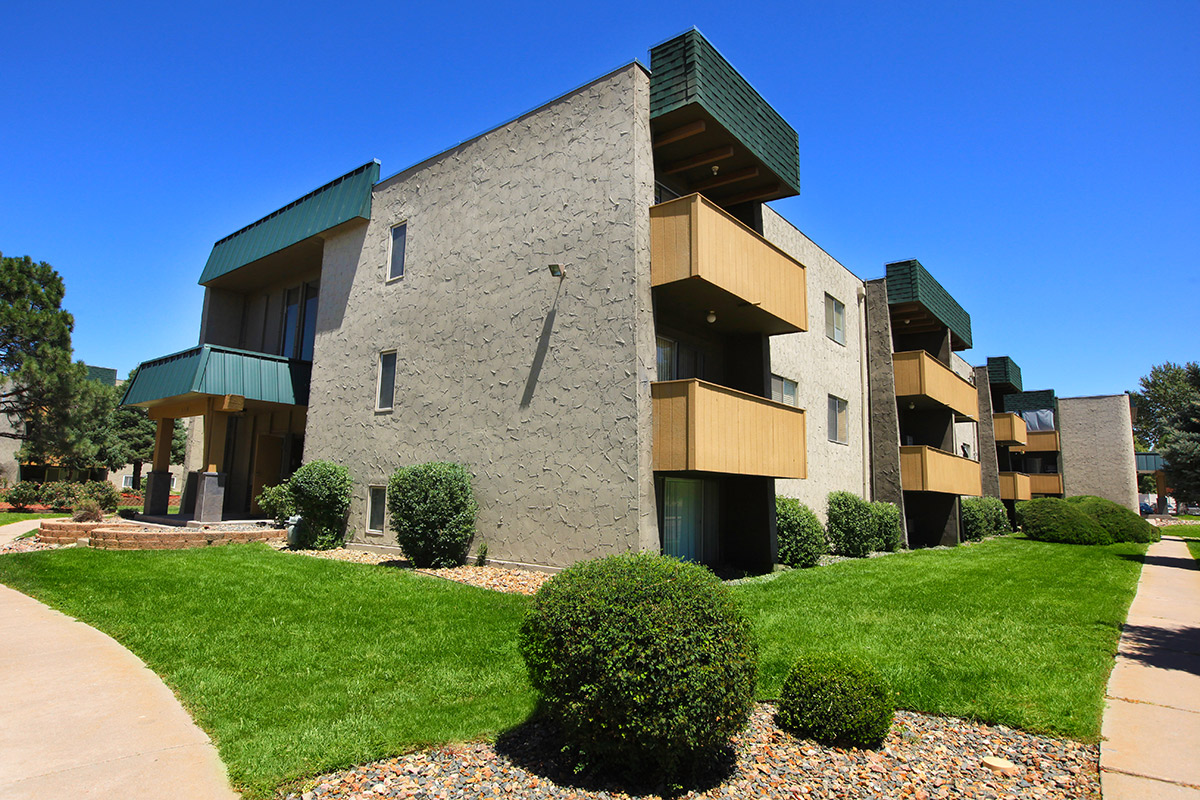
1045	483
1010	429
920	376
1014	486
927	469
1040	442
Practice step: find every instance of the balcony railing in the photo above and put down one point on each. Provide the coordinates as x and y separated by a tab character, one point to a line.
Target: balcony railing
702	427
927	469
1045	483
923	379
1010	429
1040	442
702	259
1014	486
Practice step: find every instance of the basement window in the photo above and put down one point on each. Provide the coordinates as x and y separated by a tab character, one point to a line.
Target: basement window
835	319
376	505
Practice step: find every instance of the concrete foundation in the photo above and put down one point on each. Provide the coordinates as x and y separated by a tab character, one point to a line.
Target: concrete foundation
210	496
158	492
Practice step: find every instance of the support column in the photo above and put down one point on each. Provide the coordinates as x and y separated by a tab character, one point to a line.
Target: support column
989	461
881	385
210	488
158	482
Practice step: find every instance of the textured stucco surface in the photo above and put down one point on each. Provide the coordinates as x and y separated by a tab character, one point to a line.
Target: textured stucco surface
539	386
1097	448
989	462
885	418
822	367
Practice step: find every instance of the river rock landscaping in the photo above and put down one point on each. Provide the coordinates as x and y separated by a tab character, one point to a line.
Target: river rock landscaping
924	757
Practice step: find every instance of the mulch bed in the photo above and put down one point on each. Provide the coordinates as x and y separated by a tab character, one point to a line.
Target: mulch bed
923	757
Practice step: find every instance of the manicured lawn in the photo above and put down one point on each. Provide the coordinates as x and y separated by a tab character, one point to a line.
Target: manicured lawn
297	665
1009	631
9	517
1185	531
1194	548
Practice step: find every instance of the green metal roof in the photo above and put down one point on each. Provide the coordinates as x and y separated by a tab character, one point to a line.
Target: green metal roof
214	370
1004	371
336	202
909	282
1149	462
1031	401
687	69
105	375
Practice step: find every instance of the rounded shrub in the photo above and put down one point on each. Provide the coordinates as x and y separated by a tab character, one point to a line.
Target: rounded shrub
801	537
836	703
277	503
60	495
645	662
1049	519
24	494
983	516
1121	523
889	530
103	493
432	510
849	524
321	493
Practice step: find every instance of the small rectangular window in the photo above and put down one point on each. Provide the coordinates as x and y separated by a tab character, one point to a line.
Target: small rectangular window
784	390
399	242
835	320
376	505
127	482
839	420
174	482
666	359
387	381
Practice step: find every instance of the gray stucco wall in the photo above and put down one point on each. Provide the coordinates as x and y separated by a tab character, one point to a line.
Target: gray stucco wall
1097	448
539	386
823	367
10	468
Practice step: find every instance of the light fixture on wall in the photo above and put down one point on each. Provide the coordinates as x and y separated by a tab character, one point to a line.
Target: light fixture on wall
712	316
557	271
911	405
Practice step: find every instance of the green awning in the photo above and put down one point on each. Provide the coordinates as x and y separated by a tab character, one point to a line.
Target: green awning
909	282
213	370
1003	371
338	201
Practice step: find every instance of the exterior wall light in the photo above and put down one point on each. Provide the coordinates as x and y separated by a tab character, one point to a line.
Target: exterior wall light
712	316
557	271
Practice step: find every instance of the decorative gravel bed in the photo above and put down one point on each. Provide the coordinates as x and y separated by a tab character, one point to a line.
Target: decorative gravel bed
27	545
923	757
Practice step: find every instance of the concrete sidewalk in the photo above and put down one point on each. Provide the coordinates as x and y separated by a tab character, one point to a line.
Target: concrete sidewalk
82	717
1150	737
11	531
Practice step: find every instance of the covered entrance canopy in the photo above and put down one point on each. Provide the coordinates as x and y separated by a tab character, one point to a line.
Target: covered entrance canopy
254	408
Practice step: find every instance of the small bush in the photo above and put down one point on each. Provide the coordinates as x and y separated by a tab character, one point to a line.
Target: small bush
321	492
645	661
801	537
432	510
87	511
1122	524
103	493
983	516
24	494
1049	519
889	531
849	524
836	703
277	503
61	495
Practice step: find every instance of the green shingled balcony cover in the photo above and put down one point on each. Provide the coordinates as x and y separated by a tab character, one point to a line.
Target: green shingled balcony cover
213	370
1003	370
909	282
687	69
336	202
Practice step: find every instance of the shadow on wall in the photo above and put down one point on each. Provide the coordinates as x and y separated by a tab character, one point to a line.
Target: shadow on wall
539	355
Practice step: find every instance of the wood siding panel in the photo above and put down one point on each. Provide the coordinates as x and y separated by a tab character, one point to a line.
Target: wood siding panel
1010	430
692	238
702	427
1045	483
1015	486
918	374
927	469
1040	442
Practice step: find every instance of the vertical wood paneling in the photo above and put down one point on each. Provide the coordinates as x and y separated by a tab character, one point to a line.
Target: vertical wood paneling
1009	428
927	469
1040	442
918	374
1015	486
1045	483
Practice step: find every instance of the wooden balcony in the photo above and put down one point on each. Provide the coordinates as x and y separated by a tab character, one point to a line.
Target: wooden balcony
927	469
1040	442
926	382
702	260
702	427
1010	430
1014	486
1045	483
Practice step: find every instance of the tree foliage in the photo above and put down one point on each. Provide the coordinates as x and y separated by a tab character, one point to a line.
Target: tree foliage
1181	451
130	437
1165	394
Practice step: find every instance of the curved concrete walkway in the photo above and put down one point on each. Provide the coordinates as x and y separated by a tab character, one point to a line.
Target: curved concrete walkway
82	717
12	530
1150	737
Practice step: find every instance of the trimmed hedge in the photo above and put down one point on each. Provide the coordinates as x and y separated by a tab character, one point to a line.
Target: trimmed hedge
24	494
645	662
801	537
850	525
432	510
1121	523
1049	519
63	495
836	703
984	516
889	531
321	493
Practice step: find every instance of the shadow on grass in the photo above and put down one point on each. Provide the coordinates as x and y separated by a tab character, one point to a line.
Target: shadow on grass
536	746
1163	648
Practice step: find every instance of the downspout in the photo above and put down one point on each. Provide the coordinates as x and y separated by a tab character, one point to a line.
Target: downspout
864	404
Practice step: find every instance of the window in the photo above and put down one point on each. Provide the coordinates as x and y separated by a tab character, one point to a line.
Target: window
376	505
387	381
299	321
835	320
666	359
127	482
784	391
396	259
678	361
174	482
839	420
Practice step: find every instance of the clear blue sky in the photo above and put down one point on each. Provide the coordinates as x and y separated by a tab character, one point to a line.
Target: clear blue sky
1040	159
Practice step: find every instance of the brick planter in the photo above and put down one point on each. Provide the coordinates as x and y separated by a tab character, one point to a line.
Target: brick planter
141	537
53	532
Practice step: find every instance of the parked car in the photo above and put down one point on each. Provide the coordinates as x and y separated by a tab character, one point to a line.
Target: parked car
1146	508
1192	509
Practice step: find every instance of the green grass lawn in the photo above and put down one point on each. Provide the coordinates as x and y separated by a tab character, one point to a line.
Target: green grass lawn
1010	630
9	517
1185	531
1194	548
296	666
